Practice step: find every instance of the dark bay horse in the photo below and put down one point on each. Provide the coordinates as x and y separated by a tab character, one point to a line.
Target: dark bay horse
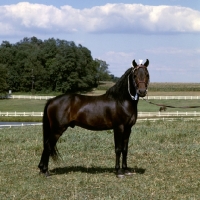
116	109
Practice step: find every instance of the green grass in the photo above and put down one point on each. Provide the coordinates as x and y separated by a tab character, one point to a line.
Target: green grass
144	106
22	105
20	119
165	156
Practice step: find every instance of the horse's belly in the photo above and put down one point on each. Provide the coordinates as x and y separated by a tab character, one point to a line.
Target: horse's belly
94	122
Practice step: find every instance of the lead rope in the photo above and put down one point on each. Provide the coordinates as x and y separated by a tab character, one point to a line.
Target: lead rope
168	106
135	98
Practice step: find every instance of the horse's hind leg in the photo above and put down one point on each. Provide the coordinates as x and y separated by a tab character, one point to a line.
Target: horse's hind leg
43	165
50	150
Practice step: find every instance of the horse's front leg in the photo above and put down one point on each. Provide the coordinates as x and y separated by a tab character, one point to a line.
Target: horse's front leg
126	136
118	136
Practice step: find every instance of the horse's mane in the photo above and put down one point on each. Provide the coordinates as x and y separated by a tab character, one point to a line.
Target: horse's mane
119	91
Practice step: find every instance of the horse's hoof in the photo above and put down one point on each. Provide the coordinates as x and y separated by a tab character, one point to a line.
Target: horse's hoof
46	174
128	173
120	174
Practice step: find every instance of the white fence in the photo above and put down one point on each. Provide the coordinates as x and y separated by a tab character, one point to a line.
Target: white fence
168	114
168	119
149	97
25	114
140	114
174	97
19	124
30	97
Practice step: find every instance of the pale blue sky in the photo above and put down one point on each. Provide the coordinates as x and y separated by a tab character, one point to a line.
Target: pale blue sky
167	32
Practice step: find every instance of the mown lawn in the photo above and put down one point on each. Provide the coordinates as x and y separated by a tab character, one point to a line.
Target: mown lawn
22	105
164	155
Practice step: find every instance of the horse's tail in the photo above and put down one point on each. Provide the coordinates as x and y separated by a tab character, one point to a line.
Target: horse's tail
47	137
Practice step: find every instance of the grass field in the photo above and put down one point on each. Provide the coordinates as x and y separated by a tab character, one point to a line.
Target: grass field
164	155
22	105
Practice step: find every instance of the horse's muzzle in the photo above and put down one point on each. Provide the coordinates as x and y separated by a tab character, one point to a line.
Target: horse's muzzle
142	92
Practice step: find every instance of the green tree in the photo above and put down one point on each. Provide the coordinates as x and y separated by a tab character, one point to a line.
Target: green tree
103	72
3	79
51	65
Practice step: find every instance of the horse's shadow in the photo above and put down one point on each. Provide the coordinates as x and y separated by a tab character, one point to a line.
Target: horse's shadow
91	170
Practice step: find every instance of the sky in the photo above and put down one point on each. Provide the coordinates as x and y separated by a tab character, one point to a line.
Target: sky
167	32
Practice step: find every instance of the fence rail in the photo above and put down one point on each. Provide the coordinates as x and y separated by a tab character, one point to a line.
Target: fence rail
167	119
174	97
149	97
30	97
140	114
25	114
168	114
19	124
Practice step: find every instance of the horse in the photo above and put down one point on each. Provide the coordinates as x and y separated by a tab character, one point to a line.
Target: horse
116	109
163	108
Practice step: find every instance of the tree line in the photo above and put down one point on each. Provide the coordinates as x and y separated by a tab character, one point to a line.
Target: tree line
49	65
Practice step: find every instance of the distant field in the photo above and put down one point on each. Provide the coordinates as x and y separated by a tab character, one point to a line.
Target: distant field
164	155
161	87
174	87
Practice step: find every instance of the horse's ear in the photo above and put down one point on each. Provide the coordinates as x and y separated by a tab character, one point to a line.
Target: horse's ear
134	63
146	63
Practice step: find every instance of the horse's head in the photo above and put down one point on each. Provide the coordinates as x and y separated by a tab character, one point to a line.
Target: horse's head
140	77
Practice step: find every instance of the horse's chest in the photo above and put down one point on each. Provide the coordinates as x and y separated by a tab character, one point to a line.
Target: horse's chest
132	120
129	115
